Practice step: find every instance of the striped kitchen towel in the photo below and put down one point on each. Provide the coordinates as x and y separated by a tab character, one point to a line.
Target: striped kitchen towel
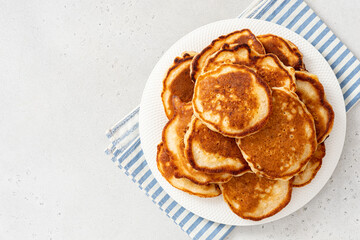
125	147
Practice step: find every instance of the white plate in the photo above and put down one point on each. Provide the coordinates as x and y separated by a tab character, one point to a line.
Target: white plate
153	119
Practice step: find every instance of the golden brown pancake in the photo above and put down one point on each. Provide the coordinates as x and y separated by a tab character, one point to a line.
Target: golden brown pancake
252	197
244	36
173	139
311	169
284	146
211	152
232	100
267	66
311	92
177	85
285	50
167	170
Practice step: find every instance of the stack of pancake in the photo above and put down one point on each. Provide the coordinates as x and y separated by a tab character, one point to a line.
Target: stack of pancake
246	120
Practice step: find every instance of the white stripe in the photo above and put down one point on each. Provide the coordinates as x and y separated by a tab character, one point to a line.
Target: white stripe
224	230
198	228
160	197
353	94
351	82
209	231
330	47
141	173
147	181
167	203
282	12
174	210
343	62
190	222
348	71
323	40
316	33
153	189
130	157
270	10
302	20
337	54
181	216
137	163
309	26
294	13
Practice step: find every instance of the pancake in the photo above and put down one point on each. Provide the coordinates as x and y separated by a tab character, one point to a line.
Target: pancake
244	36
314	165
177	85
284	146
167	170
285	50
311	92
268	66
173	139
232	100
252	197
211	152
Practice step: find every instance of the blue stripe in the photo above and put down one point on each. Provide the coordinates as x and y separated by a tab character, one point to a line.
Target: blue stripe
353	101
129	151
139	168
340	58
297	17
123	147
290	11
122	122
186	219
164	200
227	233
352	88
215	232
277	10
334	50
126	134
178	213
143	178
134	160
157	192
320	36
306	23
350	76
265	9
170	207
313	29
194	225
327	43
257	9
150	185
203	230
345	67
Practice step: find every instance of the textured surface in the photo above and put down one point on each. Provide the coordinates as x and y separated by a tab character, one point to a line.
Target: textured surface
62	86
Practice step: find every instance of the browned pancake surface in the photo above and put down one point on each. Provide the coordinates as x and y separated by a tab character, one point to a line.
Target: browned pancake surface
177	85
312	93
311	169
173	139
285	50
211	152
232	100
167	170
268	66
283	147
255	198
244	36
